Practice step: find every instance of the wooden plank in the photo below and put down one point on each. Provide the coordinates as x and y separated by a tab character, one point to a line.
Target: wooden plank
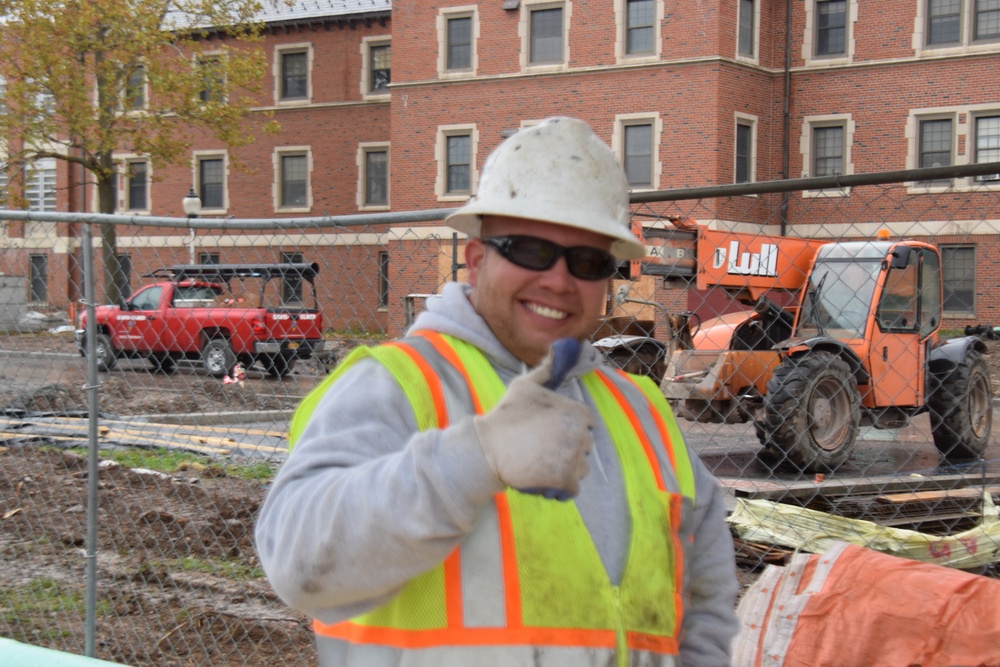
923	496
842	486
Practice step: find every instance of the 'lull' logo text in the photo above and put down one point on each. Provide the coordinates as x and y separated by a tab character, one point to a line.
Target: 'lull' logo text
763	263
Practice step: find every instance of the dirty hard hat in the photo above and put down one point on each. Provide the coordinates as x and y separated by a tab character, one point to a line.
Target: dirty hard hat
560	172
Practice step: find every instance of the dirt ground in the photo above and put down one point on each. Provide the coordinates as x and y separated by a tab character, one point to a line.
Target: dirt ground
178	578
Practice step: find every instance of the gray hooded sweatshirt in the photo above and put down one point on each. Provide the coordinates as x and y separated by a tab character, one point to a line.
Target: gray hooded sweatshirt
365	501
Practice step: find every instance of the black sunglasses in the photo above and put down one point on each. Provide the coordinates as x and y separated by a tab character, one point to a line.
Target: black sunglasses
535	254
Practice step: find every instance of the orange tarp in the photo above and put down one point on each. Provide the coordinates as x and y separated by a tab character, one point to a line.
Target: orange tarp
854	607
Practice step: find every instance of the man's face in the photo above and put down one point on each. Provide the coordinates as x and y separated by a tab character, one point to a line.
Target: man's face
529	310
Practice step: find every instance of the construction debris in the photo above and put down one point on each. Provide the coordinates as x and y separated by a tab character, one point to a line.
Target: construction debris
800	528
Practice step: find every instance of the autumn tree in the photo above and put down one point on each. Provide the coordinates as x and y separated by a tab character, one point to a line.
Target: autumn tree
88	79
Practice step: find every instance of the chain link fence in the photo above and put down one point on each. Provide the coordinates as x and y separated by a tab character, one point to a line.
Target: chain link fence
835	389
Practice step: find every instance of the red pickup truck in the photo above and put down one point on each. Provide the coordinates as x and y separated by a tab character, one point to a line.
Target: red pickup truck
216	313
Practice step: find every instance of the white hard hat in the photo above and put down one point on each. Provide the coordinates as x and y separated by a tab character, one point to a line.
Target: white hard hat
560	172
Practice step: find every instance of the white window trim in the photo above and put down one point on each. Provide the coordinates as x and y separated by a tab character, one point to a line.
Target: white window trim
366	63
524	31
291	151
965	44
755	58
441	157
809	38
969	130
805	149
197	157
281	50
618	143
746	119
913	147
621	41
208	55
122	205
963	134
363	150
470	11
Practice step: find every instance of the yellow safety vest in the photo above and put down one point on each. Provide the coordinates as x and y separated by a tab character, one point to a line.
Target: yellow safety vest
529	574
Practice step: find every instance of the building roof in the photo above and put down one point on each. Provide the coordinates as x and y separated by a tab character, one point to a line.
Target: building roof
293	10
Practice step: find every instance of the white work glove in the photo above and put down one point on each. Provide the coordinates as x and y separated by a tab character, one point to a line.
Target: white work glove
535	440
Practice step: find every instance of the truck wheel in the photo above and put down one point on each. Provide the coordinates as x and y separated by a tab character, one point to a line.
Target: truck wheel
811	413
162	363
277	365
104	353
961	410
217	357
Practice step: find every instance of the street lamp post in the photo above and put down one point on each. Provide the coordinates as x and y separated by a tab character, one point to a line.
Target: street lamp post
192	208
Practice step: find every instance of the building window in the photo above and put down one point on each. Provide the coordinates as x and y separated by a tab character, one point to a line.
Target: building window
375	185
211	179
545	36
944	19
383	279
293	180
378	67
208	258
38	278
831	27
213	80
459	43
40	185
459	164
987	143
137	177
958	273
135	90
635	141
956	22
935	143
293	75
828	151
638	155
640	17
986	24
744	153
457	28
455	156
747	21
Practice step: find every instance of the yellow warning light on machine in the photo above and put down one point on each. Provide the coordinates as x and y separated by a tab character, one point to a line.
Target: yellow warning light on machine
883	235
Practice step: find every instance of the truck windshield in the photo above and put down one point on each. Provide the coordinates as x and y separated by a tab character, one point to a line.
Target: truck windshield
838	299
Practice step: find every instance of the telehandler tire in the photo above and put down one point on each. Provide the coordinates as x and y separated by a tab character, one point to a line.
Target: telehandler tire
961	410
811	412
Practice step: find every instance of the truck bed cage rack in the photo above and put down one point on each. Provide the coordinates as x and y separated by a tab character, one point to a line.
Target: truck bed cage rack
226	272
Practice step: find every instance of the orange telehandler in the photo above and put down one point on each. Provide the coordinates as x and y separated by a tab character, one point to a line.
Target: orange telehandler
840	334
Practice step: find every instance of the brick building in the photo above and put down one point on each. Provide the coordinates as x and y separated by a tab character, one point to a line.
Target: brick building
395	108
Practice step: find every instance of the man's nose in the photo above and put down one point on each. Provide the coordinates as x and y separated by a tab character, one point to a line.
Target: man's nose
557	277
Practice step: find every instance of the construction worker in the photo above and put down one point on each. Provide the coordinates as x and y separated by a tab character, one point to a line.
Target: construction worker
442	505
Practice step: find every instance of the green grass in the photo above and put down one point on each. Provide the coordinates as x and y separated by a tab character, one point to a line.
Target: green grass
172	460
45	597
229	569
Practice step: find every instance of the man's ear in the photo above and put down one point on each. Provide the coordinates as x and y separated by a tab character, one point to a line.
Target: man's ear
475	252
